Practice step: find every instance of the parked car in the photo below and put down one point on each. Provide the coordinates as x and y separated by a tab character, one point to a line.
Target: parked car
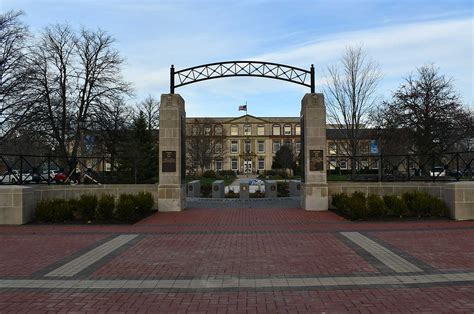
52	174
60	177
31	177
438	172
12	176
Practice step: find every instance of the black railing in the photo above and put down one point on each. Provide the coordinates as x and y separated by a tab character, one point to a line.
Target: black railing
409	167
50	169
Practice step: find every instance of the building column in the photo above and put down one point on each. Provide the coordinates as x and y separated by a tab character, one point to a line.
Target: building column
171	188
314	194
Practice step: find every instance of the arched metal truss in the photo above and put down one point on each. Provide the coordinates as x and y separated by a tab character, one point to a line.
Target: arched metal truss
241	68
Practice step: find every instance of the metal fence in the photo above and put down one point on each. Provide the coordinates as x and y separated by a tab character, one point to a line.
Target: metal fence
49	169
411	167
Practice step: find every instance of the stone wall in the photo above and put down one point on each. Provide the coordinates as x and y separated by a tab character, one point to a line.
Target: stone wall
17	203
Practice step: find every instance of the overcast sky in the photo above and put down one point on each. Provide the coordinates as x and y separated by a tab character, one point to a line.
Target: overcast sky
152	35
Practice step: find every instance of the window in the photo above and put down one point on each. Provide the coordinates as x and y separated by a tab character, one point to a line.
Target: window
218	165
261	164
234	147
195	130
247	147
332	148
218	148
276	146
234	130
207	130
374	164
260	130
332	163
288	143
233	163
276	129
287	129
218	130
364	163
261	146
247	129
297	129
298	147
343	164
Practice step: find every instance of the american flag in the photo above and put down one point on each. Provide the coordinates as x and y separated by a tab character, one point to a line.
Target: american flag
244	108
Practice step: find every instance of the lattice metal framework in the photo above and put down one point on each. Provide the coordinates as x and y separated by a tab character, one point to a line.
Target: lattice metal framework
241	68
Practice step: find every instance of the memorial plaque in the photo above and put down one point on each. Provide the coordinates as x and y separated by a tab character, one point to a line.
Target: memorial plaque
168	161
316	162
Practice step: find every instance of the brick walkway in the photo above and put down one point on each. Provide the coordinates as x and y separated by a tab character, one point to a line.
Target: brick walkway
239	261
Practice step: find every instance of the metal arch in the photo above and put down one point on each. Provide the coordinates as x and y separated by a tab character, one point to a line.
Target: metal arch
242	68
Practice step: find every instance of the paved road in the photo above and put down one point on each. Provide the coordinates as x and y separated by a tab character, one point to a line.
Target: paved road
238	260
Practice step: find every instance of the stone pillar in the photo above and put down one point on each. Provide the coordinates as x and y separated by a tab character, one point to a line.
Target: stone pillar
295	188
17	204
218	189
271	189
314	193
244	190
171	188
194	188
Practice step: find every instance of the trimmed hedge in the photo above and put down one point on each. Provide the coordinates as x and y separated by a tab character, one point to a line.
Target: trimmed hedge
54	210
105	207
129	208
414	204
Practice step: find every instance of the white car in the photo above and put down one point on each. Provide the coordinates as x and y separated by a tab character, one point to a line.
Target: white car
52	175
438	172
10	177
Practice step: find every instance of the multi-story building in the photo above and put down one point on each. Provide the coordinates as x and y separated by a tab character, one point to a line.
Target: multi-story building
247	144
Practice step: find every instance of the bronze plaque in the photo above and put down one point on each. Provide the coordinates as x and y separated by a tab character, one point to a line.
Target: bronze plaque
168	161
316	162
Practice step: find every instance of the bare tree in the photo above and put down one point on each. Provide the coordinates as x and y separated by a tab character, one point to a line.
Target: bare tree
74	75
427	108
151	108
204	145
14	97
351	95
111	127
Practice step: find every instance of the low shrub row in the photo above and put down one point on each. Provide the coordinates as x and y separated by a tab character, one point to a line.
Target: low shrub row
88	208
412	204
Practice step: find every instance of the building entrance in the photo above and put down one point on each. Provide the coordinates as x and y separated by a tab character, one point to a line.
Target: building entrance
247	166
171	188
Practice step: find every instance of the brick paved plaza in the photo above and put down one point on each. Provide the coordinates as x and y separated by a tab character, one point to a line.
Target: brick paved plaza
239	261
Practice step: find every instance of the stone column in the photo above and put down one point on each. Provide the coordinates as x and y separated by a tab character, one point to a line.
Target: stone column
171	188
314	193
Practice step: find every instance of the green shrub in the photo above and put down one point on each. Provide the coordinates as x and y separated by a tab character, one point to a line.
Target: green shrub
126	208
421	204
257	194
206	189
227	174
144	202
439	208
341	201
86	206
283	189
105	207
395	206
376	207
232	194
209	174
54	210
357	206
